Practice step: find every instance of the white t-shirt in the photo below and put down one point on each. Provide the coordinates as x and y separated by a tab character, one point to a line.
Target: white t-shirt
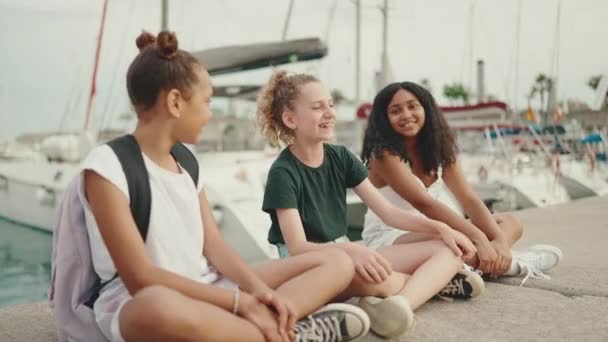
376	234
175	233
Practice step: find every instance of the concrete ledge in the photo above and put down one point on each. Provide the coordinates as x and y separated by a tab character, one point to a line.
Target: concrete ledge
27	322
573	306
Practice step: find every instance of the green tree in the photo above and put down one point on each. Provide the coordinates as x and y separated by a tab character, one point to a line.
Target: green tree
338	96
426	84
456	91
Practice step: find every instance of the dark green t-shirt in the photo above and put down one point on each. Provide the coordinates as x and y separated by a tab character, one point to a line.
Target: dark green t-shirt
319	193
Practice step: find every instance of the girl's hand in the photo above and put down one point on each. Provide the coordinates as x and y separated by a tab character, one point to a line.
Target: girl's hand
458	242
261	316
503	251
487	255
281	306
370	265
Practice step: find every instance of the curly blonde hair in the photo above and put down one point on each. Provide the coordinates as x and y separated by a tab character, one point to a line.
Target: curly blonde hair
279	94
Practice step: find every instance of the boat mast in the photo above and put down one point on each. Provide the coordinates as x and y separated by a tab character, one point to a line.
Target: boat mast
358	52
96	65
164	24
383	76
516	64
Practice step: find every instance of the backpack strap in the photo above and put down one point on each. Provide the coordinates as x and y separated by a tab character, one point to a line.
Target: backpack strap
187	160
129	154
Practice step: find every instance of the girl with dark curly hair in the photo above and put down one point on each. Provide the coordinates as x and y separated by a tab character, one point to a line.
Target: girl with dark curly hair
412	159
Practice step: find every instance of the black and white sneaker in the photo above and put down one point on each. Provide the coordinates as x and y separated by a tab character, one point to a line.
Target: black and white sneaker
466	284
332	323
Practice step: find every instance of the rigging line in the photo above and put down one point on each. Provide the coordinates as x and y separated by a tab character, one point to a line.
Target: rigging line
287	19
556	42
97	53
330	20
73	93
108	117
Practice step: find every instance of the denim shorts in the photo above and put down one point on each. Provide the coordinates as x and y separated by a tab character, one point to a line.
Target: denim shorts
284	253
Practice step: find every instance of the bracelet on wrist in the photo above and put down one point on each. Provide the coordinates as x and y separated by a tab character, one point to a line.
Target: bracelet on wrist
235	306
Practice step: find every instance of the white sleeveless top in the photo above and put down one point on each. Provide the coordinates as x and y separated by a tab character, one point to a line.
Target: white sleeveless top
377	234
175	232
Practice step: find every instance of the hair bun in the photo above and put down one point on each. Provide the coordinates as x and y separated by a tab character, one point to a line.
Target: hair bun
144	40
167	44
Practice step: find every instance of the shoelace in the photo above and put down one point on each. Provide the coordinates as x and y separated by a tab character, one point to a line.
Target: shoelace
470	268
454	287
323	329
531	271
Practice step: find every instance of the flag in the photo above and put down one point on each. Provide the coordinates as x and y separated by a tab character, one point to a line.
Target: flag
530	115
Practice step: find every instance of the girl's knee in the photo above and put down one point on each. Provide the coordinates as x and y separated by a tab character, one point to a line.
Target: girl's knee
339	260
513	224
152	309
439	247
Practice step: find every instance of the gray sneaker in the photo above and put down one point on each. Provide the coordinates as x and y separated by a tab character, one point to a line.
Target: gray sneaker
390	316
466	284
332	323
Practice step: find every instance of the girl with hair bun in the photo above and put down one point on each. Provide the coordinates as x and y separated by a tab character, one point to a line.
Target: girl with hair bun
183	281
305	197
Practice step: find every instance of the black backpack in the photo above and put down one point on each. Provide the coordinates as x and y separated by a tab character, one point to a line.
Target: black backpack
129	154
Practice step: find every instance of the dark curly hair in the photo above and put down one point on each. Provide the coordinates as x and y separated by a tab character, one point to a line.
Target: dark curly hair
435	142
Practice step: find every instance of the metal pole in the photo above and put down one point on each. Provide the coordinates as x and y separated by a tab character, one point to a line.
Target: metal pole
385	36
516	83
358	53
383	75
164	26
480	81
286	25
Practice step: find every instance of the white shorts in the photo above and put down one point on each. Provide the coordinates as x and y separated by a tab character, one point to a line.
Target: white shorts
220	281
385	238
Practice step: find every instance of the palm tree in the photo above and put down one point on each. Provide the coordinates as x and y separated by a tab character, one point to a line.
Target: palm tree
594	81
426	84
541	86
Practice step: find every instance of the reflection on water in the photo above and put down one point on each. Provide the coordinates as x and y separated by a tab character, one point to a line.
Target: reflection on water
25	263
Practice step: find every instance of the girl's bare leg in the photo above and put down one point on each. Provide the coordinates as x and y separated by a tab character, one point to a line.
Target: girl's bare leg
420	271
510	225
431	264
158	313
309	280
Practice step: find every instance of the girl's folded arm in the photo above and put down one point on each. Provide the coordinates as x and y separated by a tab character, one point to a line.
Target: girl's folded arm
480	215
127	249
401	179
222	256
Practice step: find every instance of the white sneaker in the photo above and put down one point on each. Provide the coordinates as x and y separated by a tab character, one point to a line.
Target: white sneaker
332	323
534	261
390	316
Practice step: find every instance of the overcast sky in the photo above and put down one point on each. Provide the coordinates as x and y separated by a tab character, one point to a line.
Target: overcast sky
47	47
